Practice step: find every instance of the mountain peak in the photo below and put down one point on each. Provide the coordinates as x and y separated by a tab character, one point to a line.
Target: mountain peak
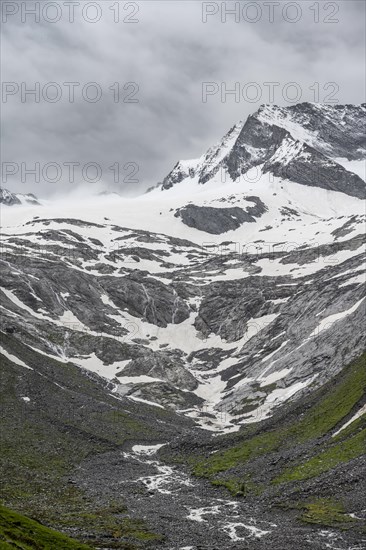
331	139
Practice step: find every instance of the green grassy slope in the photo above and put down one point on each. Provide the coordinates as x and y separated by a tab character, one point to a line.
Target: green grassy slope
324	415
17	531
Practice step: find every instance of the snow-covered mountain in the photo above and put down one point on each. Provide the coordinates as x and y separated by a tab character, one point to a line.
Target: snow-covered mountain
10	199
230	298
311	144
235	285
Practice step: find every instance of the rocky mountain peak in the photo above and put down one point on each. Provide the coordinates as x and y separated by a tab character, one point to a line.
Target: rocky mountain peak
308	143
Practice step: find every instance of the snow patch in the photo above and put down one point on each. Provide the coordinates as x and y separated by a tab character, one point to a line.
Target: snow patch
14	359
327	322
354	417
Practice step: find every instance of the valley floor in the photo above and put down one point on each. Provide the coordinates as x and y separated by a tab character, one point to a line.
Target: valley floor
191	514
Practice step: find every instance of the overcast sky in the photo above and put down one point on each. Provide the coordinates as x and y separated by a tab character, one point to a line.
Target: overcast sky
166	52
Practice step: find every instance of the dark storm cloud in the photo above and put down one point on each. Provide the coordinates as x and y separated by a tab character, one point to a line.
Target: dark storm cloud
168	54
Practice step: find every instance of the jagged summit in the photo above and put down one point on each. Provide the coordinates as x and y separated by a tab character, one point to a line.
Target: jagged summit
310	144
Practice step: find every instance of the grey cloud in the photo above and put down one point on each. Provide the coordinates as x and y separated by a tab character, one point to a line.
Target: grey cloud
169	53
